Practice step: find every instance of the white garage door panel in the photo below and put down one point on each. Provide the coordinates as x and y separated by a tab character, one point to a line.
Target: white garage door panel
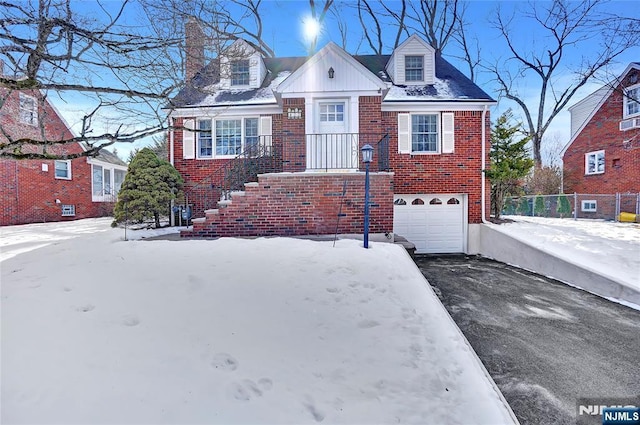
432	228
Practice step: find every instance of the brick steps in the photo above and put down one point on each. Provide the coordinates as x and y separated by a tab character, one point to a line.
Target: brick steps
296	204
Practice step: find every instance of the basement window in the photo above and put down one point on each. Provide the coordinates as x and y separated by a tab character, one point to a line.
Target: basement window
589	206
68	210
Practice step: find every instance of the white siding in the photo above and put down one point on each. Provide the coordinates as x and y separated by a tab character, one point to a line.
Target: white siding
581	111
347	77
414	46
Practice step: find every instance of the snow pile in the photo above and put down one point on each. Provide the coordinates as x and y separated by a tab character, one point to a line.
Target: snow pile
96	329
608	248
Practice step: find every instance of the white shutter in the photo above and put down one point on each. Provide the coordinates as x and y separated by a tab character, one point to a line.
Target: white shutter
188	140
404	133
265	131
447	132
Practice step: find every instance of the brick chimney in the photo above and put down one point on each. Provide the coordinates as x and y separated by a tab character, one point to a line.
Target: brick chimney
194	48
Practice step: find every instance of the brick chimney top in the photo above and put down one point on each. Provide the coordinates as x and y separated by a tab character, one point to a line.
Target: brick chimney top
194	48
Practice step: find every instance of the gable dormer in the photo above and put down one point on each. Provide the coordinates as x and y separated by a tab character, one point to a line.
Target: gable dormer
412	63
241	67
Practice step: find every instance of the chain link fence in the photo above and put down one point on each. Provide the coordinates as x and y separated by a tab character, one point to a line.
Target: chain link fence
575	205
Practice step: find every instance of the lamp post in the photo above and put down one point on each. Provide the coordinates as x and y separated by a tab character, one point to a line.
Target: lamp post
367	157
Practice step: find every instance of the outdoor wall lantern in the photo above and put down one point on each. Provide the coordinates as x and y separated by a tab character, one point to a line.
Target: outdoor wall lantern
367	157
294	113
331	72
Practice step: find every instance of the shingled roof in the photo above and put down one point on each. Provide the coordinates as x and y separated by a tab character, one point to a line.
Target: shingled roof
204	89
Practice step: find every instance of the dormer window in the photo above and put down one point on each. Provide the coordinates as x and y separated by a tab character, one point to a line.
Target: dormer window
414	68
240	72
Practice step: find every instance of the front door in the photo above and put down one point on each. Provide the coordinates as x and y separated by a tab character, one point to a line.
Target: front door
332	148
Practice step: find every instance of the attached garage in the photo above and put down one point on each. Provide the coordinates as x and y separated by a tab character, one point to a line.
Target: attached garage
435	224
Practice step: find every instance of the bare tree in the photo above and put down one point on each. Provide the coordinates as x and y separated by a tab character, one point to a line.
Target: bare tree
575	26
319	16
49	48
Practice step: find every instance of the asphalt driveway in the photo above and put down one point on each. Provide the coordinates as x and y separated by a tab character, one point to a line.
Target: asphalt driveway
545	344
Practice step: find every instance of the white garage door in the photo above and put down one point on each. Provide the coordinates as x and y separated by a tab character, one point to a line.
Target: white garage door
433	223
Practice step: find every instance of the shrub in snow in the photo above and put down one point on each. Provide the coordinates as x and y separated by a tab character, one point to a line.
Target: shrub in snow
538	206
564	207
149	186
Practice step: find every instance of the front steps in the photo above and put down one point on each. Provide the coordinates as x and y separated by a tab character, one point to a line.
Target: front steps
298	204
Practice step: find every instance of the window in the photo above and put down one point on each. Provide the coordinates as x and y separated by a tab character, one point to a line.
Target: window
63	170
205	142
632	101
68	210
332	112
28	110
228	137
417	201
118	179
413	68
424	133
594	163
589	206
240	73
98	185
232	136
435	201
251	134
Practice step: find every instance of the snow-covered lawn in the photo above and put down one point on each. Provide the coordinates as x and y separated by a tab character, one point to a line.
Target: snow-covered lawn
99	330
609	248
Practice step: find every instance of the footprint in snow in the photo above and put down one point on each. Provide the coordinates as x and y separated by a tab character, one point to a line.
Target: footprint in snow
333	290
85	308
367	324
247	389
225	362
130	320
309	404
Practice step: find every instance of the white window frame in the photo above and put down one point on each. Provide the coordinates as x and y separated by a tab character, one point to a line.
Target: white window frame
113	192
55	169
243	135
407	80
589	205
438	134
595	155
199	134
28	114
627	102
233	73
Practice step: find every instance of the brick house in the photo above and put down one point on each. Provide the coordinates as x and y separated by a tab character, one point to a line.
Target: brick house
603	154
272	146
50	190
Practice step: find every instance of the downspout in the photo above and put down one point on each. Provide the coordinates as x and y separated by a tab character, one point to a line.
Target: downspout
484	163
171	121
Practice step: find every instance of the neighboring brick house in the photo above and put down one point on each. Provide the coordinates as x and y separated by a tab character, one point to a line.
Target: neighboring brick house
48	190
301	124
603	154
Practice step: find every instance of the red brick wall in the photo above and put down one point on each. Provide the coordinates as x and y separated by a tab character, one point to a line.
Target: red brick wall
622	166
27	193
304	204
458	172
293	140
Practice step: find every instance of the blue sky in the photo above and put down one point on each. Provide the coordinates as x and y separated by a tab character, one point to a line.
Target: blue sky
284	31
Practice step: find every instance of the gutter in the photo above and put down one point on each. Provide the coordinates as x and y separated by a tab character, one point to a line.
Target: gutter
484	164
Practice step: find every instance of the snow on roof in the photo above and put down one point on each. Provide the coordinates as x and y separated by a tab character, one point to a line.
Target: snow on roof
440	90
259	96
